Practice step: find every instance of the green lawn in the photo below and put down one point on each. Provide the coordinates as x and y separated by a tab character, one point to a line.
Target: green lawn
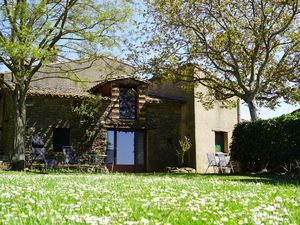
28	198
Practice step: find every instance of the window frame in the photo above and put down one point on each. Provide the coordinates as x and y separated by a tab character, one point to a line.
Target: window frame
136	97
224	148
116	143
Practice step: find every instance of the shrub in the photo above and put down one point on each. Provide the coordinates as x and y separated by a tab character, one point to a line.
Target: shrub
185	145
272	144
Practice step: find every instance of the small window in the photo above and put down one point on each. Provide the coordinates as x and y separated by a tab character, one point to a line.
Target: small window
221	142
127	103
61	137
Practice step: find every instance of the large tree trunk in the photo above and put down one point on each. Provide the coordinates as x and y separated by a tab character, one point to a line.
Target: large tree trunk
19	114
253	110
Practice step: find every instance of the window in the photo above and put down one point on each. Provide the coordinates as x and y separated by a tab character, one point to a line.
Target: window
127	103
61	137
125	147
221	142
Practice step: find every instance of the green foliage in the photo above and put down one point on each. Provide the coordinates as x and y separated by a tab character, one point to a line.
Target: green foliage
185	145
245	49
88	109
33	33
272	144
88	112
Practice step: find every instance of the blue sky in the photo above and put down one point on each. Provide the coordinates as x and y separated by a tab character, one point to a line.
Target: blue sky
265	113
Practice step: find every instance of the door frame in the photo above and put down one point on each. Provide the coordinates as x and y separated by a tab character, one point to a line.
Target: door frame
129	168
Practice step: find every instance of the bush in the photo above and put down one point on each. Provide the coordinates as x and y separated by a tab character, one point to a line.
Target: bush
272	144
185	145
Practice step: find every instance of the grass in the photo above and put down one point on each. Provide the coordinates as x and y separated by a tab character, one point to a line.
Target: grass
28	198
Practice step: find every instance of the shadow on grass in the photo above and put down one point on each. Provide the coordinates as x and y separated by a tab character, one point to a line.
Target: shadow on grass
271	179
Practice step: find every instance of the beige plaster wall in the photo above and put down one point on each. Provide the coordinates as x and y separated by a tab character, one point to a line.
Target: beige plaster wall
166	89
206	122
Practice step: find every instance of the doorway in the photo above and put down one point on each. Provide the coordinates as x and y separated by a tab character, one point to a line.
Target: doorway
126	150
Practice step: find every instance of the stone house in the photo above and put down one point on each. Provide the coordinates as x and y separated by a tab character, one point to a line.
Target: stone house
136	123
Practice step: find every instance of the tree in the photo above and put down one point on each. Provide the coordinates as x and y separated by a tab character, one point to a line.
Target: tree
185	146
245	49
32	33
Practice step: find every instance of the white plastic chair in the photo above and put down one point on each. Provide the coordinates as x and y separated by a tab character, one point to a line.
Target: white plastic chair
212	162
225	163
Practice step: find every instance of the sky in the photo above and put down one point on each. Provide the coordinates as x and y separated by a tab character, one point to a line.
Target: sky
265	113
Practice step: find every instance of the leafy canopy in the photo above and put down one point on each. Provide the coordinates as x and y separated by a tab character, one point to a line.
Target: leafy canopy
34	32
246	49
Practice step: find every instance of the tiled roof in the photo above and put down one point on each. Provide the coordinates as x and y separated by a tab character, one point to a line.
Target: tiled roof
55	79
86	73
63	92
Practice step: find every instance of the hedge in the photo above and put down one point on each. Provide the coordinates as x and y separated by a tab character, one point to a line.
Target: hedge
272	145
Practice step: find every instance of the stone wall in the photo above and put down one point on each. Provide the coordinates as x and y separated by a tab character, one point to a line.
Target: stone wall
163	135
187	127
161	121
46	113
179	117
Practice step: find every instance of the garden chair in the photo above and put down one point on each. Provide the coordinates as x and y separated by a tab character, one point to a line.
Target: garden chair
224	162
70	157
37	150
212	162
51	164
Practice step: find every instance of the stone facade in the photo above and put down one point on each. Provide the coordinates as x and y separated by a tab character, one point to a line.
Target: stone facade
164	113
163	135
161	121
46	113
